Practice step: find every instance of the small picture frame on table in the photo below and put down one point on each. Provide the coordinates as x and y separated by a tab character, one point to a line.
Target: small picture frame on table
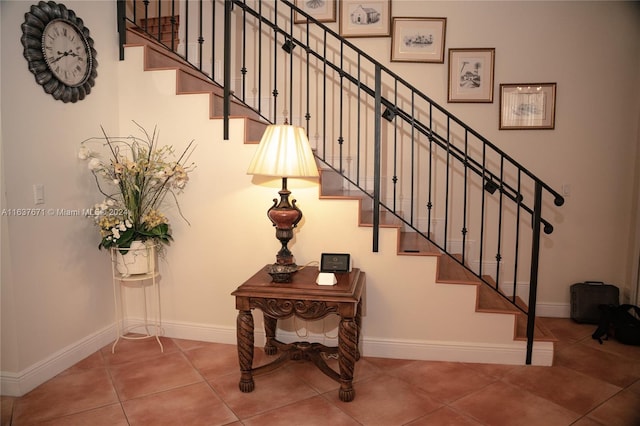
527	106
471	75
321	10
418	39
365	18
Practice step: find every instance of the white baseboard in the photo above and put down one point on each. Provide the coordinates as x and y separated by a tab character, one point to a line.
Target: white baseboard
18	384
514	354
554	310
201	332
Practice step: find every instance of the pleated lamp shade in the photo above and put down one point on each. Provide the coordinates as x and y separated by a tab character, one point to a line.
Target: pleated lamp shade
284	151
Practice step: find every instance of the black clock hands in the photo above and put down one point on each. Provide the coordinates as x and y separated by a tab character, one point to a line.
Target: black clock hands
58	58
64	54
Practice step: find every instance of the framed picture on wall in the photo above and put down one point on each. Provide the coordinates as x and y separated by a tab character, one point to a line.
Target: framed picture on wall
471	75
321	10
365	18
527	106
418	39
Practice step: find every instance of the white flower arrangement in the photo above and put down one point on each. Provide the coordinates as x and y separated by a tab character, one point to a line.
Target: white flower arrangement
135	182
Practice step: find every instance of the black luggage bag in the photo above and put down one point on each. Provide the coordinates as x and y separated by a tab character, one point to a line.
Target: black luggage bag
587	296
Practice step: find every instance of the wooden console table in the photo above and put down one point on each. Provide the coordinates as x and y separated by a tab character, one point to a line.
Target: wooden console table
305	299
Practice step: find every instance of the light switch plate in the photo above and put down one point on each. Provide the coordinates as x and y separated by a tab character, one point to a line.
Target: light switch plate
38	193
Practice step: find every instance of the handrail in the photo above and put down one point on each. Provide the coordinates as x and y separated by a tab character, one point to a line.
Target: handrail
436	168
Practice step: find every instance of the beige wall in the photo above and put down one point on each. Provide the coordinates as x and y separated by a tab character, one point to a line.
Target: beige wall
56	287
54	292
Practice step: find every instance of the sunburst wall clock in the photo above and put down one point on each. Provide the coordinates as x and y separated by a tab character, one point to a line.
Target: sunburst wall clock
59	50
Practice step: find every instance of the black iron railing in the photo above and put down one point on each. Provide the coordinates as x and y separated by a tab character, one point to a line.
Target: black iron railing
406	153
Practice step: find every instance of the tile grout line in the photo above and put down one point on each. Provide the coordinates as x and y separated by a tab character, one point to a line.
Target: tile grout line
209	385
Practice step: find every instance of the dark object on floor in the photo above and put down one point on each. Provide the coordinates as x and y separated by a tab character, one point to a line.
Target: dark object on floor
587	296
624	320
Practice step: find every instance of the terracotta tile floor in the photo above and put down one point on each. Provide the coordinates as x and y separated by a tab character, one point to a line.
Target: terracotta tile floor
196	383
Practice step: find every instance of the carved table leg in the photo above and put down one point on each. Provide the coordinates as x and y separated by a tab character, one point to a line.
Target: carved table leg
245	350
358	328
347	350
270	332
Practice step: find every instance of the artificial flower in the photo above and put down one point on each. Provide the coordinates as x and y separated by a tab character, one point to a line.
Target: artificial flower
135	183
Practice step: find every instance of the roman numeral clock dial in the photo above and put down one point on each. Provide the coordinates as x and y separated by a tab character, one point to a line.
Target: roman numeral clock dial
59	51
66	52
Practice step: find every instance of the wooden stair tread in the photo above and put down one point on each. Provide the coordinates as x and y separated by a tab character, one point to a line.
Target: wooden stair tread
340	194
387	219
451	272
192	81
540	333
165	58
413	243
490	301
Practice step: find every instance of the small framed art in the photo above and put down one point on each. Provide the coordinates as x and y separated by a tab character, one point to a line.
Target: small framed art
321	10
471	75
365	18
528	106
418	39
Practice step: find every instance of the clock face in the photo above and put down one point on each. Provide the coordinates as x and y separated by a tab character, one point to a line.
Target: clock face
59	51
66	52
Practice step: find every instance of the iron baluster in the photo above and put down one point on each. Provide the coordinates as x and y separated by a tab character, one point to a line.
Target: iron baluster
159	16
227	69
482	211
500	214
260	58
516	249
243	68
122	24
377	160
447	187
533	276
173	25
146	15
430	183
341	108
463	231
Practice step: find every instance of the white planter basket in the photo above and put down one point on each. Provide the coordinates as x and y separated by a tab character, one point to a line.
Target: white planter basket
140	258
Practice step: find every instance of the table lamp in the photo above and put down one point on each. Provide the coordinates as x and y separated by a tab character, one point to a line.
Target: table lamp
284	151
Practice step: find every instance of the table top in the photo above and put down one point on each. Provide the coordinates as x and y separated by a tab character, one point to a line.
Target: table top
303	286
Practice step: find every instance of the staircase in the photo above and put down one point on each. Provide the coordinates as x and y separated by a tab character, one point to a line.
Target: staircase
448	270
336	183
